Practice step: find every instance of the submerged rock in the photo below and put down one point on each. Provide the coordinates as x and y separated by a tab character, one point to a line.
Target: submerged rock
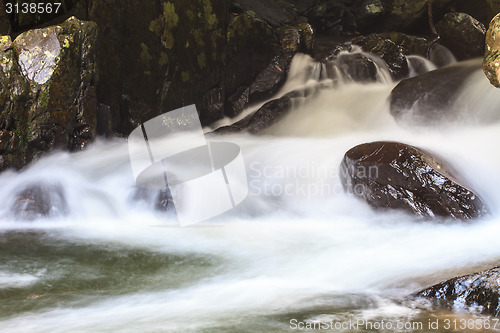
427	99
470	291
398	176
159	200
462	34
491	63
47	90
40	200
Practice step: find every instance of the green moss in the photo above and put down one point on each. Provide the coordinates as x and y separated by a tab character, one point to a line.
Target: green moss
171	17
163	59
373	9
44	99
145	56
202	60
198	37
185	76
164	25
210	18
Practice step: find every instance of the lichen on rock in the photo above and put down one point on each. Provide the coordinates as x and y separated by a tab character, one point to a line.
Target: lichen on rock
491	63
47	90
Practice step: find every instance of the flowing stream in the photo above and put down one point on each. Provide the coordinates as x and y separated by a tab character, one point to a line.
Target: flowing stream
298	250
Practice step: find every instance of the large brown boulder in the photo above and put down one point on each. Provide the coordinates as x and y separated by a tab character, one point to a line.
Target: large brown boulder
428	99
398	176
479	291
47	91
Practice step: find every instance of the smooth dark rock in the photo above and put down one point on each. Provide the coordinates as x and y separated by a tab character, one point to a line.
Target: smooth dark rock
40	200
398	176
237	102
269	80
462	34
427	100
269	114
475	290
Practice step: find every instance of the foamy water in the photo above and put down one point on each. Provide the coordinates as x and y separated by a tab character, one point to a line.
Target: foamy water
297	248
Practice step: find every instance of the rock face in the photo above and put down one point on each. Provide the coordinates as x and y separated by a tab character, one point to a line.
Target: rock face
219	55
398	176
475	290
462	34
40	200
426	100
491	63
47	91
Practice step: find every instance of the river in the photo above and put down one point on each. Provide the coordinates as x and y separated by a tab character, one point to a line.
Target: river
298	251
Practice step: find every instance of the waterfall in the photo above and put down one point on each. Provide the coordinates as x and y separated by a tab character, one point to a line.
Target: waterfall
298	247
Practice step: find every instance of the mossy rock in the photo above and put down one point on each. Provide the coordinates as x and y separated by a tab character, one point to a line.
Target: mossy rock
388	50
491	63
48	90
462	34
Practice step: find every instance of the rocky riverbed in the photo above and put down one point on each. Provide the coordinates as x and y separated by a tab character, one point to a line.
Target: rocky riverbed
367	129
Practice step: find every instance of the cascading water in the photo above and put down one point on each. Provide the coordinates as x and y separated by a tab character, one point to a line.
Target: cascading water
298	248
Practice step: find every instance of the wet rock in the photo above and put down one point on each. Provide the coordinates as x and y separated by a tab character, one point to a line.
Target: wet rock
269	80
491	62
47	89
427	100
462	34
237	102
269	114
479	291
40	200
398	176
392	54
356	67
253	52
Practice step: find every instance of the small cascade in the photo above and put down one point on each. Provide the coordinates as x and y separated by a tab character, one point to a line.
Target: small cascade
419	65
